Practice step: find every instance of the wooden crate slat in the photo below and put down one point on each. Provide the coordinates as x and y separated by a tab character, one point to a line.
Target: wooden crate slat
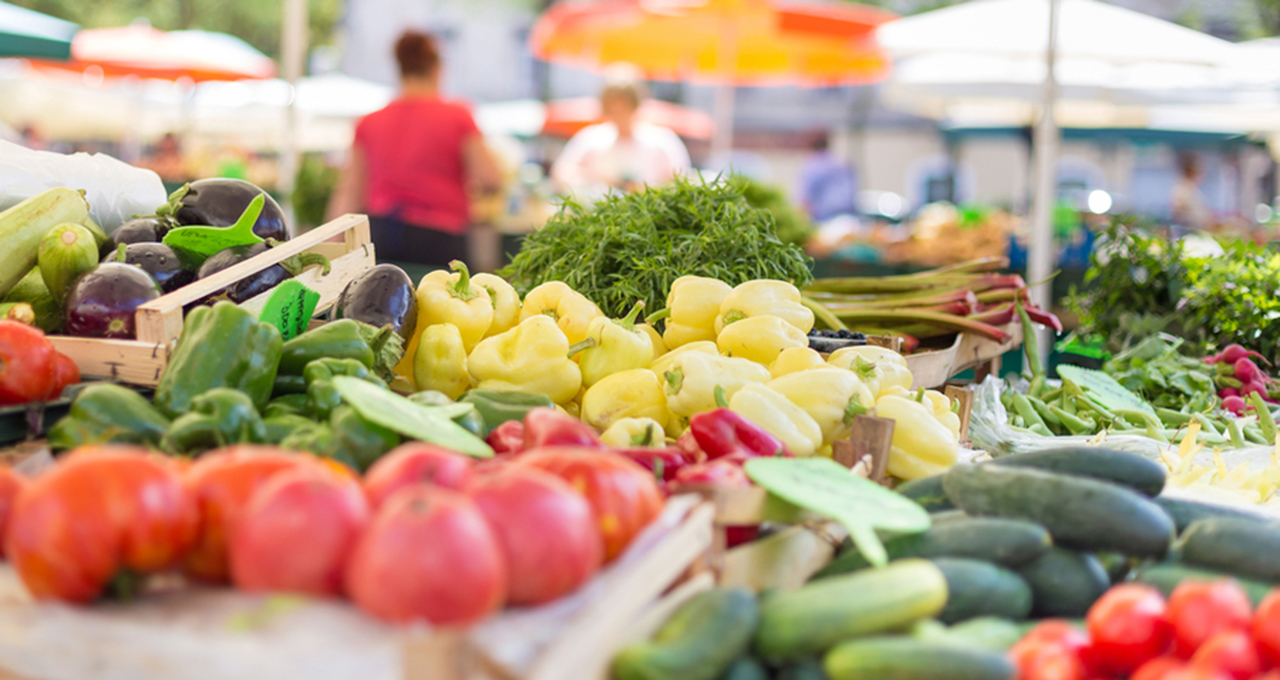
130	361
342	271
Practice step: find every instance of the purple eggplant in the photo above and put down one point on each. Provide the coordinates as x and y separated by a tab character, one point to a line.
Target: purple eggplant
258	283
141	230
161	262
101	303
383	295
219	202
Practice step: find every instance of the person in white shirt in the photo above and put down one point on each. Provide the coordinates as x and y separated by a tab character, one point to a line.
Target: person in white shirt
621	153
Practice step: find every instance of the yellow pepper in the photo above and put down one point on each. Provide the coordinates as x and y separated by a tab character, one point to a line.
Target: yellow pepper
765	296
794	359
449	298
505	299
692	305
532	357
655	338
636	393
571	310
937	402
613	345
922	446
692	379
878	367
661	364
781	418
441	361
831	396
626	432
760	338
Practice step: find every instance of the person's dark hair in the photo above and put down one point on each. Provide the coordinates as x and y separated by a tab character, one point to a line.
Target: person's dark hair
417	54
820	142
1188	164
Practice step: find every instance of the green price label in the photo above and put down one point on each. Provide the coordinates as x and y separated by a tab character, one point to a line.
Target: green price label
201	242
289	308
1104	389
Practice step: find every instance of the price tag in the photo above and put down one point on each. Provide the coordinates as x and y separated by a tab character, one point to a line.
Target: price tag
201	242
828	488
289	308
1105	389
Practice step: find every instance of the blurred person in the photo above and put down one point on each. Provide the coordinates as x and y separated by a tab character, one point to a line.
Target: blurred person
1190	213
828	186
166	160
31	138
412	164
621	153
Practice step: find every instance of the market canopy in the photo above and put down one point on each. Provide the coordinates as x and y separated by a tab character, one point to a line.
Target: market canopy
143	51
25	33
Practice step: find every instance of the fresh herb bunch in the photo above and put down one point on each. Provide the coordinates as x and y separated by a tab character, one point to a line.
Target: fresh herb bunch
631	247
1234	298
792	225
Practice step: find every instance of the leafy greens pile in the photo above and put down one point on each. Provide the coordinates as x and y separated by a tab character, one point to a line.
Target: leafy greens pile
631	247
1157	370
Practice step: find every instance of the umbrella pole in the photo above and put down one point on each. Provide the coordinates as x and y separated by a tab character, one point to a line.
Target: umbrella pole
293	49
1041	251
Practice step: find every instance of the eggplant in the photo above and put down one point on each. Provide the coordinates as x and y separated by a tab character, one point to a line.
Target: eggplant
258	283
102	303
141	230
381	296
161	262
219	202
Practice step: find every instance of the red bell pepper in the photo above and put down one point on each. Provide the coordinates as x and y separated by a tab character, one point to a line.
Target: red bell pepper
549	427
722	433
689	445
663	463
507	439
714	473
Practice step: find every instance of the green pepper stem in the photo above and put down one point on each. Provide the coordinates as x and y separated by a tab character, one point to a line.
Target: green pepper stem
853	409
462	288
721	400
628	321
581	346
658	316
298	263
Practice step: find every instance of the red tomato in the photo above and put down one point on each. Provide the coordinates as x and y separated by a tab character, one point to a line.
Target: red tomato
65	372
1231	652
98	511
623	495
428	555
1046	660
297	531
222	481
1199	610
719	472
11	484
547	532
1269	675
1158	668
1266	627
26	364
413	464
1061	632
1196	673
1128	628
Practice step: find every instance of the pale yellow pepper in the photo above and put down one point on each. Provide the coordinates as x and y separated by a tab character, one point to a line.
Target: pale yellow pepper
781	418
795	359
878	367
614	345
765	296
921	446
662	363
636	393
441	361
505	299
831	396
937	402
655	338
443	297
692	306
571	310
532	357
626	432
691	380
760	338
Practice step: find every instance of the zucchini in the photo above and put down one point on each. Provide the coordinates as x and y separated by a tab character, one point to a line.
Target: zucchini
699	642
66	251
977	589
928	492
808	621
1166	577
1007	542
25	224
987	633
1185	512
1107	465
1079	512
746	668
31	290
904	658
1248	548
1064	583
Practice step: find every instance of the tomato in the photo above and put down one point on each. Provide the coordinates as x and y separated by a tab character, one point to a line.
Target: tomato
222	481
413	464
428	555
1269	675
547	532
1231	652
1158	668
99	511
11	484
1199	610
26	364
65	372
1196	673
1266	627
297	531
1045	659
1128	627
624	496
1061	632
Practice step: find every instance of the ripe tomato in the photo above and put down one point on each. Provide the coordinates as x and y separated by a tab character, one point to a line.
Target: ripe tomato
1196	673
413	464
428	555
98	511
1231	652
1128	628
1043	659
623	495
26	364
222	481
1199	610
65	372
1158	668
1266	627
11	484
547	532
297	531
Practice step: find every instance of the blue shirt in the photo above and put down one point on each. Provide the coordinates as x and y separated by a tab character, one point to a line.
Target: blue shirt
828	186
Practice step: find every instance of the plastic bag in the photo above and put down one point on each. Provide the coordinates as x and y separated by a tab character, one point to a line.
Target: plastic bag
116	191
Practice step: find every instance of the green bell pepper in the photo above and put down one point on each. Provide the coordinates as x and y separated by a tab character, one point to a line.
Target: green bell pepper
288	405
379	349
471	420
108	413
313	437
356	441
496	408
220	346
280	426
219	417
322	396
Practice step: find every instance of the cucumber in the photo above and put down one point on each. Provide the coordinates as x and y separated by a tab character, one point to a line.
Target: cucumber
1064	583
808	621
987	633
982	589
1079	512
1185	512
25	224
928	492
31	290
1241	547
1166	577
1116	565
1107	465
903	658
699	642
809	669
746	668
66	251
1007	542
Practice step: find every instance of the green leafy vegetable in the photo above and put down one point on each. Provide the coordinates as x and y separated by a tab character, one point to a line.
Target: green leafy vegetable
430	424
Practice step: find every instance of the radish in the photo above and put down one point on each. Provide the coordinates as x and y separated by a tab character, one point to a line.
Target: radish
1228	392
1234	353
1235	405
1251	387
1247	371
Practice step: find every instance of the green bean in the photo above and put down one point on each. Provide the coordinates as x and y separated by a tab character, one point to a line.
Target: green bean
1041	430
1171	417
1030	343
1265	420
1037	386
1044	412
1206	423
1254	434
1052	394
1027	411
1074	425
1068	405
1233	428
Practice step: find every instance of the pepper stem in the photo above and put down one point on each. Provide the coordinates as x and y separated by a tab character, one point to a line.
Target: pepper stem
734	315
629	320
675	379
462	288
581	346
658	316
721	400
920	395
853	409
865	369
298	263
122	251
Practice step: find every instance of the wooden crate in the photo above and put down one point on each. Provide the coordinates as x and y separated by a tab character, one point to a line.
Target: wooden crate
159	322
934	367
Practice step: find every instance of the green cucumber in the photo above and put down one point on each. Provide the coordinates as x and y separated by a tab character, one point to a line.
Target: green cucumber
1166	577
989	633
31	290
1064	583
1248	548
977	589
1079	512
746	668
66	251
1107	465
25	224
904	658
809	669
1007	542
928	492
812	619
699	642
1185	512
1116	565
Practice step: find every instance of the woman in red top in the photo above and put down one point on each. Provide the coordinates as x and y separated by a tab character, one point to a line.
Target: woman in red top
412	163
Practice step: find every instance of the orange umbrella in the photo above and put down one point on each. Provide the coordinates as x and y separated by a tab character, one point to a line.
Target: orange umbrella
150	53
565	117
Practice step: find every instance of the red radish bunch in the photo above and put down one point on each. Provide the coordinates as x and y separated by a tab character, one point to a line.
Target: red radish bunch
1238	377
